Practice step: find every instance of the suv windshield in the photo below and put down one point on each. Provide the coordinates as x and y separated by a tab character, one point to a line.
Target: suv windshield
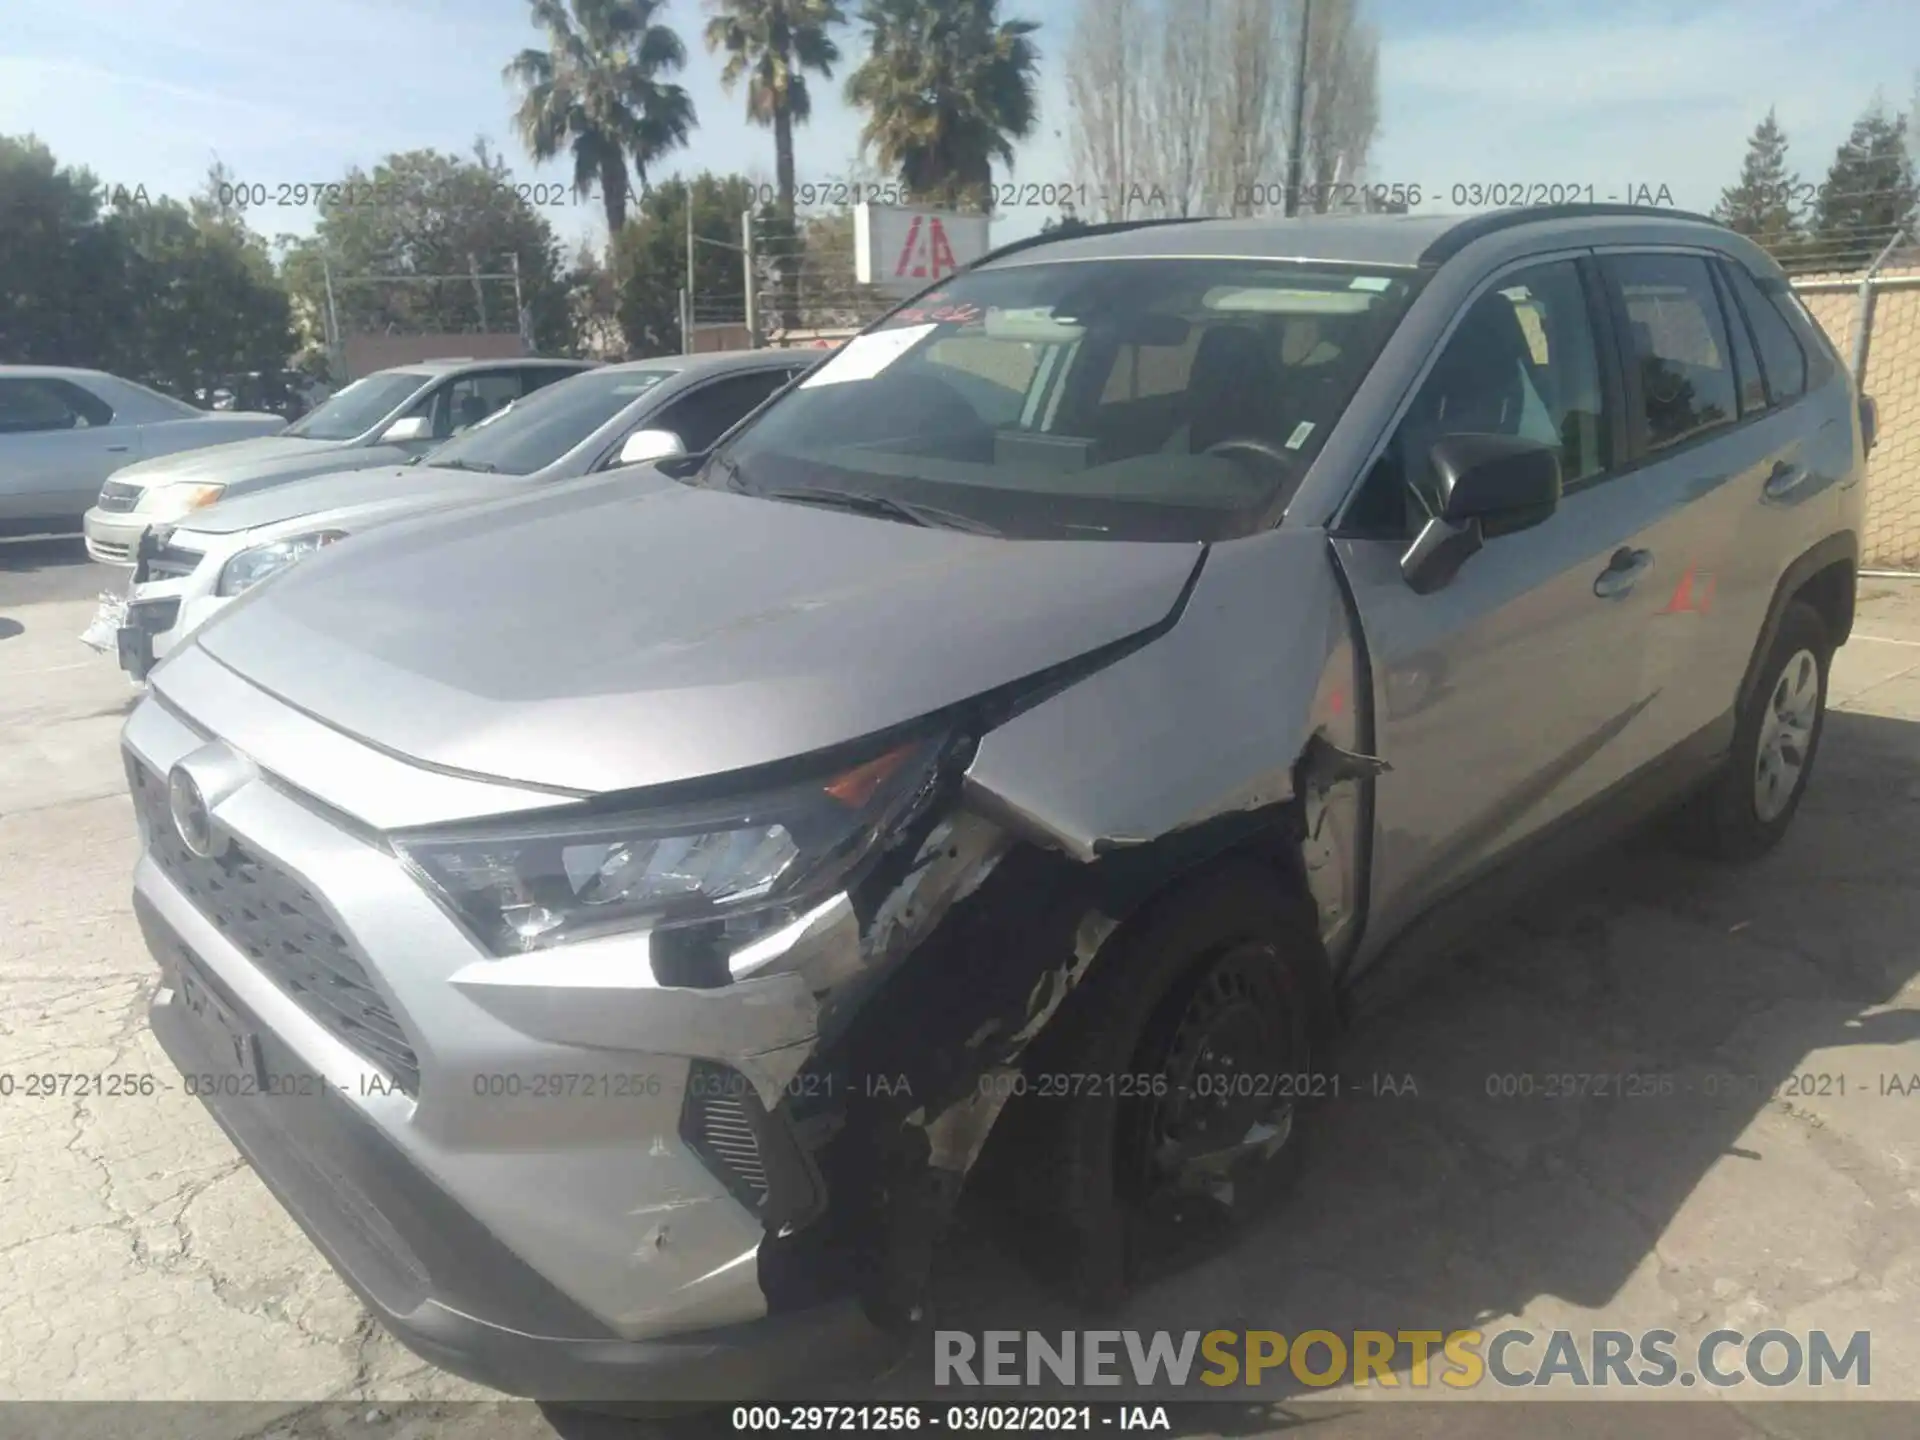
1168	399
539	428
359	407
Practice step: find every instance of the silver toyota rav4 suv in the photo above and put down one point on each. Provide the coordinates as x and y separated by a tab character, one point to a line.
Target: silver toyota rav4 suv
617	925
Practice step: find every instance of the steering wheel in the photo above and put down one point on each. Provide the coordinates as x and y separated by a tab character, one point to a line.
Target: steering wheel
1252	445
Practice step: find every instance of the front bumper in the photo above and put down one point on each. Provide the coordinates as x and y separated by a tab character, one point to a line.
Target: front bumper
566	1244
113	535
444	1286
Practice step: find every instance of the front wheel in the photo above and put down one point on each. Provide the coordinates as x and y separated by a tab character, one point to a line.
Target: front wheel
1748	807
1193	1043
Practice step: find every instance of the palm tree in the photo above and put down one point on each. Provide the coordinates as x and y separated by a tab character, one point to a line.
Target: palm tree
948	87
596	90
772	44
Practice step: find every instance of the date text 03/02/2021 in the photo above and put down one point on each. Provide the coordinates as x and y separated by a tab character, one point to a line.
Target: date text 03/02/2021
951	1419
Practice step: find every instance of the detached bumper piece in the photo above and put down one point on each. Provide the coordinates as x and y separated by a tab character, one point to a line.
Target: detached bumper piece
134	639
444	1285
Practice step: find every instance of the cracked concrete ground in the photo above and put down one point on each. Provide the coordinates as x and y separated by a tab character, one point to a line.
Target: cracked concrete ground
140	1260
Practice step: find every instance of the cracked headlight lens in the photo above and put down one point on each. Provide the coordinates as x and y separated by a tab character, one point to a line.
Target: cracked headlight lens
250	567
751	862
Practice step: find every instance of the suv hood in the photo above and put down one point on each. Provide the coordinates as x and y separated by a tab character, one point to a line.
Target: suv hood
589	638
282	457
378	493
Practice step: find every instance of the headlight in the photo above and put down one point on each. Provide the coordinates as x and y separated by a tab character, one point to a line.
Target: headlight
176	500
250	567
750	864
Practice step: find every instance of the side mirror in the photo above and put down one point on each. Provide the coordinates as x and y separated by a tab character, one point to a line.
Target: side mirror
406	430
1869	423
644	445
1489	485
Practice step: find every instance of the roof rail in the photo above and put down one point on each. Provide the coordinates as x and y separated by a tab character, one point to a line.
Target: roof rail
1492	222
1074	231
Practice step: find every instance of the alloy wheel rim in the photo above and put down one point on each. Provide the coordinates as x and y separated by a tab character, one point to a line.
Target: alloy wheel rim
1786	735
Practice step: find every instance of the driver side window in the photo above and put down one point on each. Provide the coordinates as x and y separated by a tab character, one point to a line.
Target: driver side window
1523	362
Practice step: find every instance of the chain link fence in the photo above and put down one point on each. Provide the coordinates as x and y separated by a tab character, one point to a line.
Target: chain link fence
1861	282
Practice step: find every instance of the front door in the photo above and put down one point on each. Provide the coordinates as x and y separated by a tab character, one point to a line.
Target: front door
1509	697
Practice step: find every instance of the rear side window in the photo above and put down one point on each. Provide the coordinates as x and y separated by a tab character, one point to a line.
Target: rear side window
1677	346
1781	357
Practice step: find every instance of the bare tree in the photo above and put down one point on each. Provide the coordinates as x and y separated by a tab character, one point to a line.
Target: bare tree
1174	80
1342	114
1106	59
1247	116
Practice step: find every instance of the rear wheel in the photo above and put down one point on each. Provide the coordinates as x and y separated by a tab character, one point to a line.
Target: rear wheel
1748	807
1160	1108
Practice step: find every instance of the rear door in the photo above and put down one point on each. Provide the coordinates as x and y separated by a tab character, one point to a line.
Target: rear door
1719	470
1504	700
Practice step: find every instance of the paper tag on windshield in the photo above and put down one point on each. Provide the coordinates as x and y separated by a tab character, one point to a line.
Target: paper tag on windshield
865	356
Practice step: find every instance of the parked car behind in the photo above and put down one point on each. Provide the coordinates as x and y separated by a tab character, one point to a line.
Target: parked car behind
982	768
617	415
378	420
64	431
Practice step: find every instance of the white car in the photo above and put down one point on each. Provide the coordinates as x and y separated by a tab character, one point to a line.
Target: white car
64	431
611	416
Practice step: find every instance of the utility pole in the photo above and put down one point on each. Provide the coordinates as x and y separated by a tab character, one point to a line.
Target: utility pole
686	333
749	262
479	290
1296	138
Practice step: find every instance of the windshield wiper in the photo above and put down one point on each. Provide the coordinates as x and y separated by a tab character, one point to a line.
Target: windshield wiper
883	506
479	467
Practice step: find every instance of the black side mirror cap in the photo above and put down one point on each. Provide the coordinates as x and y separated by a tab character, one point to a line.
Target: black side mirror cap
1489	485
1869	423
1503	481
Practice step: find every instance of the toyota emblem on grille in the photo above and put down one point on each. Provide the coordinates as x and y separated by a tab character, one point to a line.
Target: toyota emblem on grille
190	815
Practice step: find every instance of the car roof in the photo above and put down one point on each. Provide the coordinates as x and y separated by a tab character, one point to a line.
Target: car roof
1399	241
448	365
719	362
50	372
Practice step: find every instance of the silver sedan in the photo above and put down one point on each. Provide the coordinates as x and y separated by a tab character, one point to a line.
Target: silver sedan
64	431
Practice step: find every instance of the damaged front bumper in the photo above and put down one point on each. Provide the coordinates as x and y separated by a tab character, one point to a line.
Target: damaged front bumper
549	1173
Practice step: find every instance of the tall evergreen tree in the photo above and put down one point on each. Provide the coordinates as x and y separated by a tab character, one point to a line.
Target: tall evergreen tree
1766	203
1869	193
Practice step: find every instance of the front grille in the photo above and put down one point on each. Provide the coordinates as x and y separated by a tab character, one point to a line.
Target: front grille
111	550
116	496
717	1125
170	562
279	924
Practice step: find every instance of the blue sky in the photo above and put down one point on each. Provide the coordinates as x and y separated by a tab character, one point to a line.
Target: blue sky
149	92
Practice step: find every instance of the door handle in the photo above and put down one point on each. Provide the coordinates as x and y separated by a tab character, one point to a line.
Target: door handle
1622	573
1785	479
118	449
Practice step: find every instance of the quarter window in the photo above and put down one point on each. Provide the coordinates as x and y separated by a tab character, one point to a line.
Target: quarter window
1677	346
1522	362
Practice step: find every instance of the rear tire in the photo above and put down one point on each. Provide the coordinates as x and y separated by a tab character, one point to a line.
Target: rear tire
1191	1037
1746	809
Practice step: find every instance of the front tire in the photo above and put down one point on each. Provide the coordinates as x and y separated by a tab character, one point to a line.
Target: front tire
1749	805
1191	1041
